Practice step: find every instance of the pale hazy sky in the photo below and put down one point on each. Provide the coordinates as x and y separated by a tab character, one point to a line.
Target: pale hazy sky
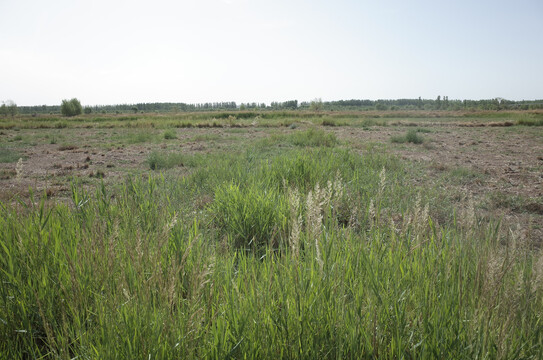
112	52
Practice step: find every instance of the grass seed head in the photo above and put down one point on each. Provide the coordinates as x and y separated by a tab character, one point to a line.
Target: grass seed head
19	169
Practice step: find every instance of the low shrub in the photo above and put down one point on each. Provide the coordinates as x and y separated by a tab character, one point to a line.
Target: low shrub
170	134
411	136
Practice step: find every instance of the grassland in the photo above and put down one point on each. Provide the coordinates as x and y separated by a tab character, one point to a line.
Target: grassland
278	235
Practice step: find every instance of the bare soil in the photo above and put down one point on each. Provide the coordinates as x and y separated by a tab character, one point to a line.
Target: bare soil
500	168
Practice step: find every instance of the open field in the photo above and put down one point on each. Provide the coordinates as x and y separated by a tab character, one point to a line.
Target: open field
296	235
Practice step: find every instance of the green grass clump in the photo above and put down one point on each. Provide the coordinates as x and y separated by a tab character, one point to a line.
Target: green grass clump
206	137
410	137
314	138
424	130
464	176
249	217
161	161
169	134
8	155
138	137
526	121
330	122
61	124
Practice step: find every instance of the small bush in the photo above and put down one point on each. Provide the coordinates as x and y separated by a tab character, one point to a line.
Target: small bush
170	135
411	137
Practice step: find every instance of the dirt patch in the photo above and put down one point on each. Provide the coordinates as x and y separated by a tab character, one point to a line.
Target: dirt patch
500	167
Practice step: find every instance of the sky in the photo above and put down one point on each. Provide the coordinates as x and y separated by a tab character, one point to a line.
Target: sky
194	51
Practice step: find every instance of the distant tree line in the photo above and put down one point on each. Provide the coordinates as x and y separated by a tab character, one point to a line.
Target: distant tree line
440	103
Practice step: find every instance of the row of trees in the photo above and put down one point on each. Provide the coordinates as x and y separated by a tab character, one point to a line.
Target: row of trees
73	107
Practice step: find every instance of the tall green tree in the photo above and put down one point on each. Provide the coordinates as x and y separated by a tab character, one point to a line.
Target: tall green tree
9	107
71	107
316	105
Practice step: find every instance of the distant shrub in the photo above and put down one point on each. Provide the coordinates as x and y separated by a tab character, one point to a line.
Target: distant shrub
71	107
314	138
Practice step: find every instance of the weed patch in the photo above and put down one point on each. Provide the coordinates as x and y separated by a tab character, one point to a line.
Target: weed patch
8	155
169	135
163	160
313	138
410	137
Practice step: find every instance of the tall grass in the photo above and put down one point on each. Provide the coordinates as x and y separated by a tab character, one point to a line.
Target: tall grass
350	263
158	160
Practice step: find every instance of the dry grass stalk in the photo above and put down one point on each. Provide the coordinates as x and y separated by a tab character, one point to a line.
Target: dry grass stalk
314	212
467	216
417	219
19	169
296	221
319	256
382	182
371	213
